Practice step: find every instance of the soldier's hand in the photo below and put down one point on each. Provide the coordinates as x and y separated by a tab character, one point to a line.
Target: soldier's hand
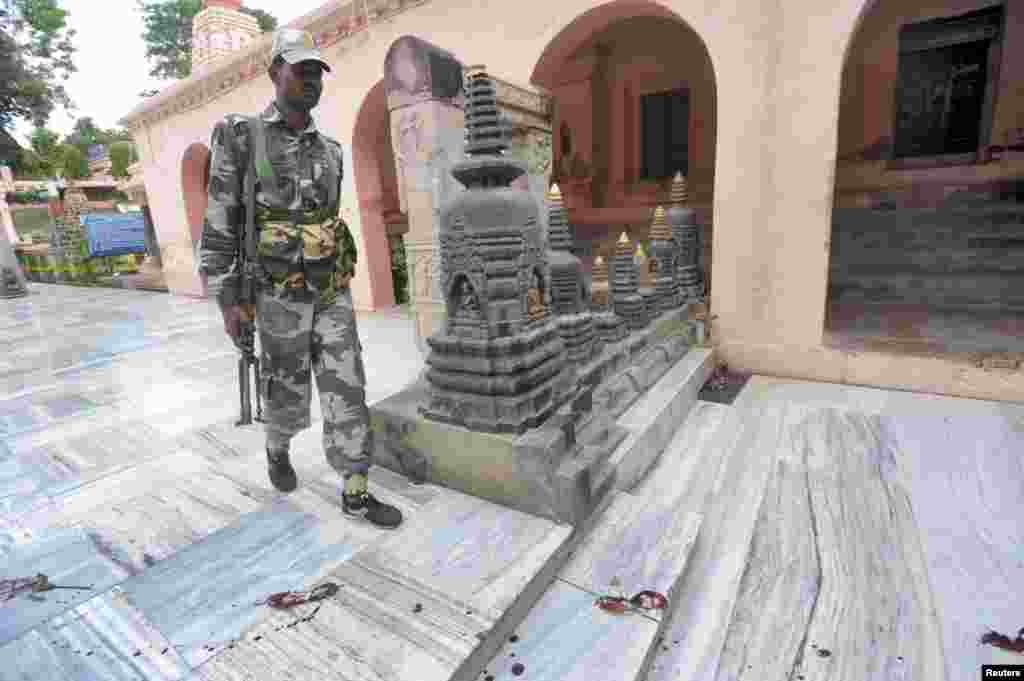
342	280
232	315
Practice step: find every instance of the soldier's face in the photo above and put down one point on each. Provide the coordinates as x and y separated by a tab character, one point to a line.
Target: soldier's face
300	85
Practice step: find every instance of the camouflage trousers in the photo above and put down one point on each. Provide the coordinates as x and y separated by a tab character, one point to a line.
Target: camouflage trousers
301	336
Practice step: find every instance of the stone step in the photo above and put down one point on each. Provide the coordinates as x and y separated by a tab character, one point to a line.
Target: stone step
643	431
883	219
638	543
968	291
724	472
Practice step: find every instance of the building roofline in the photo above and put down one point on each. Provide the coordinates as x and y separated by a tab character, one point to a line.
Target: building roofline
332	22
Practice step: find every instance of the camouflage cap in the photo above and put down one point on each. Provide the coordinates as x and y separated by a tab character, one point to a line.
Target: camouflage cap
295	46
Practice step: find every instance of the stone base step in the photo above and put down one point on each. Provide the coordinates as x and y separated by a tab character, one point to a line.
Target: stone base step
967	291
714	465
641	544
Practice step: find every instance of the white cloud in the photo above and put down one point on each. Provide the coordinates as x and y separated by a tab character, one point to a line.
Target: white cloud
111	59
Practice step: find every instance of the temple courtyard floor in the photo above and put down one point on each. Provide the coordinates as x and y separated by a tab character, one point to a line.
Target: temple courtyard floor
805	531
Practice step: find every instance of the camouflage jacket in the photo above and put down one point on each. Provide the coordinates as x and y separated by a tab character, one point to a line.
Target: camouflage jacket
301	236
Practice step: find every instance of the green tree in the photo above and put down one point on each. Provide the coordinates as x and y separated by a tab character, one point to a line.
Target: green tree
74	165
36	50
122	155
43	158
167	33
84	134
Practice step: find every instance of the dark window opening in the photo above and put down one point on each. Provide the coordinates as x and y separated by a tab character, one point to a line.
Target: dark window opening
943	76
664	134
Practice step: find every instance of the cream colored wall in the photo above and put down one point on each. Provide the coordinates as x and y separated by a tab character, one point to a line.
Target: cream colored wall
777	69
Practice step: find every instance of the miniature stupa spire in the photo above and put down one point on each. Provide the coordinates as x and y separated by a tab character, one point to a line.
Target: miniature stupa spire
599	272
487	137
660	229
680	193
623	247
559	238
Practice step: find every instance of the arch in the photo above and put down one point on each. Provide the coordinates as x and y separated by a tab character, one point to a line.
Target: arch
591	22
602	69
195	175
377	190
884	294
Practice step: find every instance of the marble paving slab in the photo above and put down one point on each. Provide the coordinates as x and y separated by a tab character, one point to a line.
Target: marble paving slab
965	477
745	444
837	562
71	557
643	544
205	595
566	638
34	472
102	638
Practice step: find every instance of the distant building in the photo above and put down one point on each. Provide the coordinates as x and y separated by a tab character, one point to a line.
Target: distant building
98	157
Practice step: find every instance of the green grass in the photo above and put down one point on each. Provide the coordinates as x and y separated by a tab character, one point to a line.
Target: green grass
35	221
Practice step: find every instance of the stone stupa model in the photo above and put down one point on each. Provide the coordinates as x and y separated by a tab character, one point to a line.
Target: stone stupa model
499	364
685	233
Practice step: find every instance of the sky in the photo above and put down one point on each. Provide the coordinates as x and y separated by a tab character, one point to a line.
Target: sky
111	59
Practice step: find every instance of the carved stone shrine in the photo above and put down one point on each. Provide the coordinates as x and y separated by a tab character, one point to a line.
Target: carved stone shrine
527	383
499	364
663	250
626	299
686	234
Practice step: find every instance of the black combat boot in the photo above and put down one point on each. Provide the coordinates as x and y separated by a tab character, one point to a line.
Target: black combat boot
282	475
364	506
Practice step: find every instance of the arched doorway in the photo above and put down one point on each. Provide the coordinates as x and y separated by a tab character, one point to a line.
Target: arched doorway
634	101
927	254
381	219
195	171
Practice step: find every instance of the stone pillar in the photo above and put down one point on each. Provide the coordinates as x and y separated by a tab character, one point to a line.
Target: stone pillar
12	279
220	28
70	234
425	99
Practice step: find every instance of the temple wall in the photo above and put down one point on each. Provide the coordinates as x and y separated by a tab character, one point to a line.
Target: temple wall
777	71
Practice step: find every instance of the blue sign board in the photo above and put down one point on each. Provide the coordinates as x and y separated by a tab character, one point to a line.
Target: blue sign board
96	152
114	233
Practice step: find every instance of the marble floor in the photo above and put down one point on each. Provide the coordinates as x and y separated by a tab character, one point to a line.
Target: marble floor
845	533
849	533
121	471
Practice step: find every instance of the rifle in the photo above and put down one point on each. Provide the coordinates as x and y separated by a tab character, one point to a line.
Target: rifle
247	295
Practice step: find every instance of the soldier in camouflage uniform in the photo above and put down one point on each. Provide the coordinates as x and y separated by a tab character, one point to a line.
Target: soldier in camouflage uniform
307	256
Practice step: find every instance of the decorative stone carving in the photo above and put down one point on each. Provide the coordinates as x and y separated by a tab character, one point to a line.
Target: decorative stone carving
568	289
626	300
499	365
662	248
685	233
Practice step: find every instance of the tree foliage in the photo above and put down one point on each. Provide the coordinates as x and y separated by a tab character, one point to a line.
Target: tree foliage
36	51
74	165
122	155
167	33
